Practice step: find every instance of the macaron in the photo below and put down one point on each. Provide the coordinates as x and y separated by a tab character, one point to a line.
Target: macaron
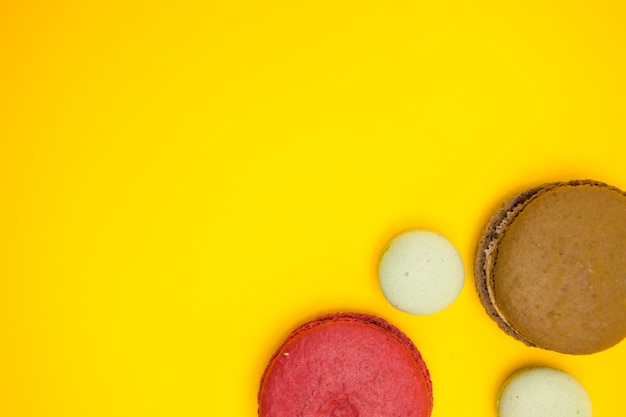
543	392
550	267
420	272
346	365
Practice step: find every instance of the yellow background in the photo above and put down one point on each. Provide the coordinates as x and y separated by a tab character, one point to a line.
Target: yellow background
183	182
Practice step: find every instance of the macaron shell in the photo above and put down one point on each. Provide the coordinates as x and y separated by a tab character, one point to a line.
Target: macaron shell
346	364
543	392
421	272
486	254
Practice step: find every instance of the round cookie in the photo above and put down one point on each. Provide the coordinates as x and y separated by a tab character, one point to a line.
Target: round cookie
550	268
543	392
346	365
420	272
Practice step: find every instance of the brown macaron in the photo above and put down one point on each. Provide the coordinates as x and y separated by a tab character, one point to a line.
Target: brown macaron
550	268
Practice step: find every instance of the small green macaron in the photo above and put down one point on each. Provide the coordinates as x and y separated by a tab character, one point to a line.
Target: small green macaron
421	272
543	391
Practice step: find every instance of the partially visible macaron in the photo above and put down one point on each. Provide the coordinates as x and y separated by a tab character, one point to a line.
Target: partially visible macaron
346	365
550	268
543	392
421	272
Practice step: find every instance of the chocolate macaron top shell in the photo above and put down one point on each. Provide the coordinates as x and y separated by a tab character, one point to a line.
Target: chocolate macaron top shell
551	268
346	365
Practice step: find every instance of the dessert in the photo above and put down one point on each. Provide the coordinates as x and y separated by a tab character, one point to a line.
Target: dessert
543	392
346	365
421	272
550	268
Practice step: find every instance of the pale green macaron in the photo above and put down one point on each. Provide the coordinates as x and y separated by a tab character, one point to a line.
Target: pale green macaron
421	272
543	392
